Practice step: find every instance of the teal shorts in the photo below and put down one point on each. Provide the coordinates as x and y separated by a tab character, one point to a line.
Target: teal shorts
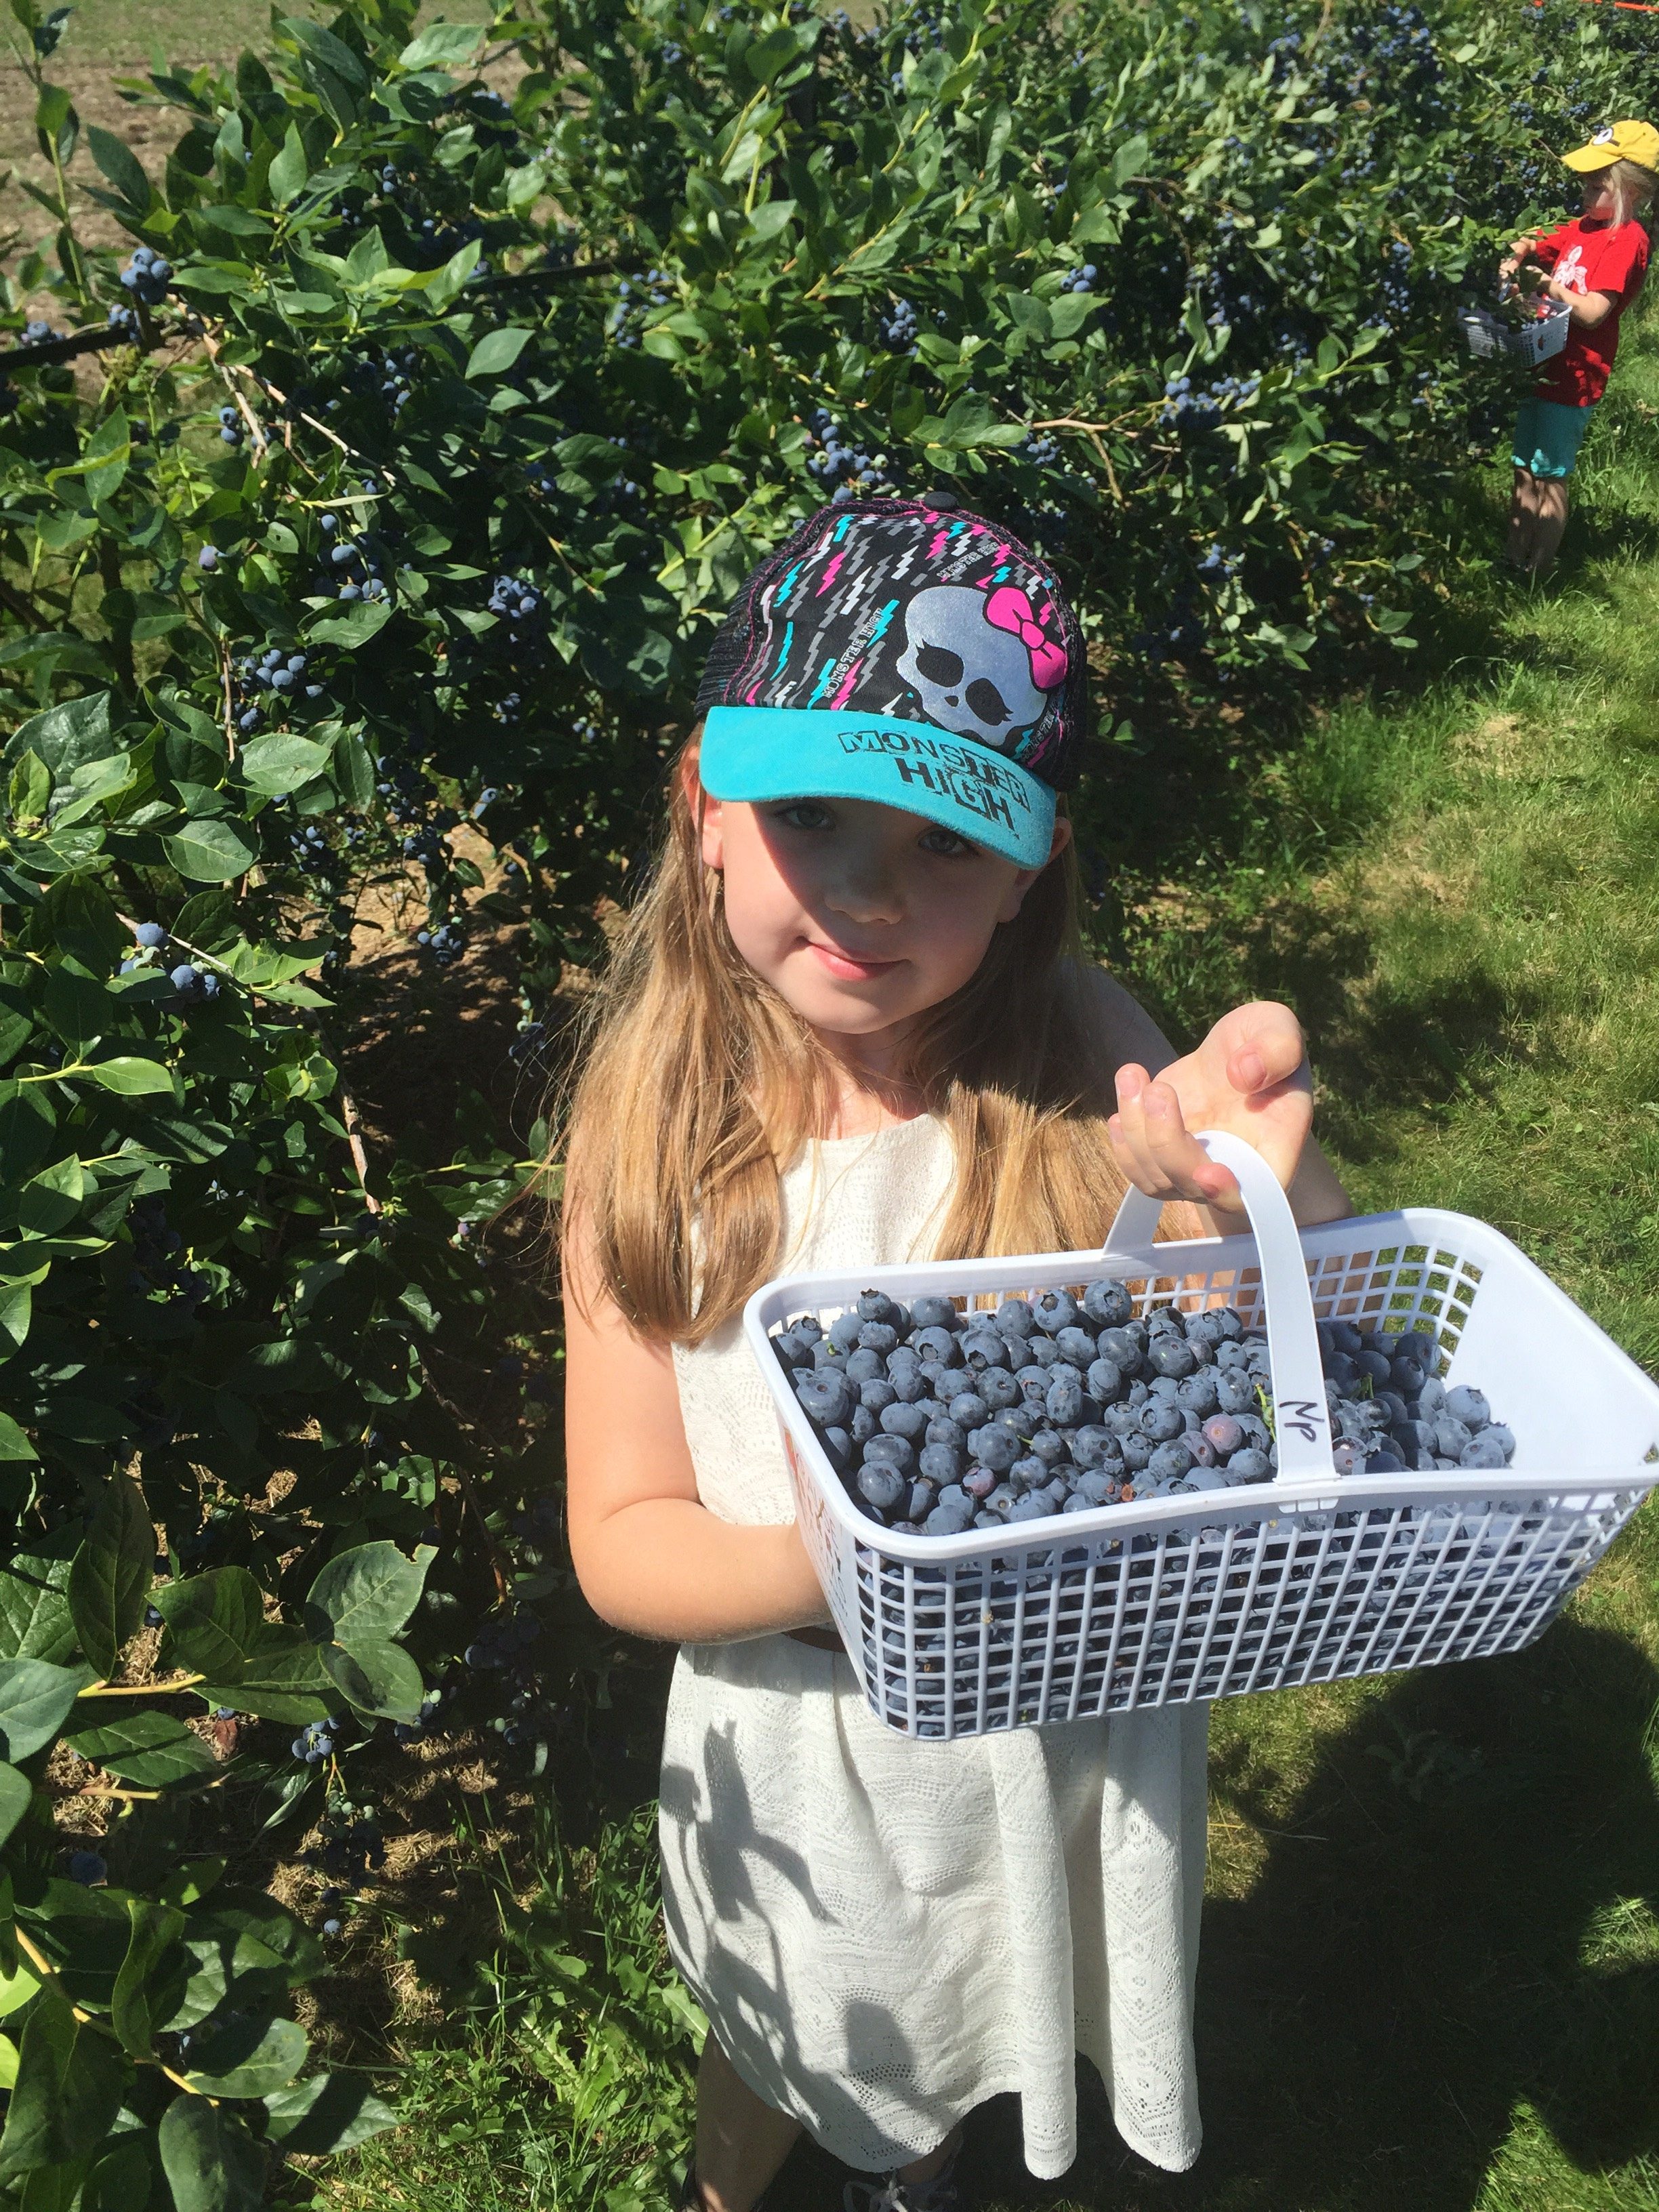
1547	436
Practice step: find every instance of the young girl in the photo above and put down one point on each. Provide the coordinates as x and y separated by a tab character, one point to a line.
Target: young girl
1597	263
846	1024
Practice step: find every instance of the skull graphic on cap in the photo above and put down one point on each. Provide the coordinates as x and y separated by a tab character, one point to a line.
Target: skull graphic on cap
974	662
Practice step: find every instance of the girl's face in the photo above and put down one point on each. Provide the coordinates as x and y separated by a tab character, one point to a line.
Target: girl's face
1598	198
861	917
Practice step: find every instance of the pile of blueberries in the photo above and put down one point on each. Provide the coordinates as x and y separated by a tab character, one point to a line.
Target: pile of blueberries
838	465
276	673
1080	280
1185	408
939	1421
353	564
897	330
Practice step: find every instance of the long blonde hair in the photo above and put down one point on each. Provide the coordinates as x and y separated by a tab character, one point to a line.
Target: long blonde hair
698	1083
1632	188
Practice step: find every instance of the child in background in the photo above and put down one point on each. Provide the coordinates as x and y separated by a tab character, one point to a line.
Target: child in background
848	1024
1596	264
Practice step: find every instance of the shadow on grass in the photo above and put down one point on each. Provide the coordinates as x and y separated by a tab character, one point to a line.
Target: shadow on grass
1436	1937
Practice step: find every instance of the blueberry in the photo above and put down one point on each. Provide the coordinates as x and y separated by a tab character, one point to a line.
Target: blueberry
862	1426
1384	1462
1094	1487
1077	1347
1137	1449
983	1348
909	1382
901	1420
969	1411
935	1342
979	1482
1107	1304
1160	1421
150	935
1374	1364
1122	1346
1027	1473
1235	1391
1170	1462
998	1388
876	1306
1433	1400
940	1462
942	1430
844	1332
826	1395
865	1366
891	1450
1469	1406
838	1444
1249	1466
1093	1447
330	1927
876	1394
1033	1382
994	1447
208	557
1451	1436
949	1520
932	1314
1013	1317
881	1485
1034	1506
1054	1310
1198	1392
1483	1450
1041	1351
1504	1438
1406	1376
1065	1400
919	1503
1169	1354
878	1336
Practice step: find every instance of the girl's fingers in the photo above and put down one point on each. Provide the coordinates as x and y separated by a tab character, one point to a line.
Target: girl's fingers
1156	1151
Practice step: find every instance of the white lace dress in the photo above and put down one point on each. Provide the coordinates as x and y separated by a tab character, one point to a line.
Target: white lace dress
884	1932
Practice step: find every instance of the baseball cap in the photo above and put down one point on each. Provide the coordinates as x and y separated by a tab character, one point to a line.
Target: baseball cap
1617	142
904	651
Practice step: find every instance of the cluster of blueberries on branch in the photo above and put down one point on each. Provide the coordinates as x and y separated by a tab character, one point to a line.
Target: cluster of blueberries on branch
939	1421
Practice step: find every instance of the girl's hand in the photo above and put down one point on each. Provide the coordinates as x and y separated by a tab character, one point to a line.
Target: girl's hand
1250	1077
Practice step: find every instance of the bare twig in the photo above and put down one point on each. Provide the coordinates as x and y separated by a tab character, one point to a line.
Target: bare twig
359	1150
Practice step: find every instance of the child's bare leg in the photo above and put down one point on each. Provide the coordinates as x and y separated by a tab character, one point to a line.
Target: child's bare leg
1524	519
1551	523
741	2142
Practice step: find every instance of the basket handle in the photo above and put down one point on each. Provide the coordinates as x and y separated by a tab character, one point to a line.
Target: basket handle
1301	1420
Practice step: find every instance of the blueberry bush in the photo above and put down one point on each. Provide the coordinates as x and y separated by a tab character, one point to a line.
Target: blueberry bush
446	385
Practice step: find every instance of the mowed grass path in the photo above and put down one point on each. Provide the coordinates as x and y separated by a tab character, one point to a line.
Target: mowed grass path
1430	1977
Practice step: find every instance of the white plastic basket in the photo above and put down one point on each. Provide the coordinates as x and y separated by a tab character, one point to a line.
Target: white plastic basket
1490	339
1310	1578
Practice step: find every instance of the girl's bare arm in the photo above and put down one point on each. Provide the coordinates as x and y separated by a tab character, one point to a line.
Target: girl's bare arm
649	1557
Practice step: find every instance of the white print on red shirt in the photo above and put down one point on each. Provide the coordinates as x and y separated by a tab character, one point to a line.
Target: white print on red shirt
1569	269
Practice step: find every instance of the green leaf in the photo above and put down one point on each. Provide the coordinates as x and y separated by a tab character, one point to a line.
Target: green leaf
246	2057
50	1200
31	787
283	762
288	169
16	1990
14	1444
110	1579
57	126
211	2162
283	1679
377	1677
131	1077
120	2179
36	1622
152	1750
67	735
444	45
70	2078
34	1703
213	1619
209	851
368	1591
152	1975
16	1791
330	2112
497	351
354	627
122	167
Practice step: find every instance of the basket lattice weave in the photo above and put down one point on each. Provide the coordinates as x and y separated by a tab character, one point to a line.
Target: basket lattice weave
1310	1578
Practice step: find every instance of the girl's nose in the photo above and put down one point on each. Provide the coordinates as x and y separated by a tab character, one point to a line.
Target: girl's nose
865	890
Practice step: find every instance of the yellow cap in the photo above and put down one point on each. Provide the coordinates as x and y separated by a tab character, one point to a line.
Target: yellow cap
1617	142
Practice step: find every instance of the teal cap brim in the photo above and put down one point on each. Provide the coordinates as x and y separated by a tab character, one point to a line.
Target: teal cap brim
757	753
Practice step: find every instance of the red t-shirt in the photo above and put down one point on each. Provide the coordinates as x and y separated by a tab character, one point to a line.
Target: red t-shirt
1590	257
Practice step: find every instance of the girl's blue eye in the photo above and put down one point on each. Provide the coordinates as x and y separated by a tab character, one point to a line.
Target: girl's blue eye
806	814
946	842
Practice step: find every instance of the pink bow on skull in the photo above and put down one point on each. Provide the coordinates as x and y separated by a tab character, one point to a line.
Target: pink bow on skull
1008	608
